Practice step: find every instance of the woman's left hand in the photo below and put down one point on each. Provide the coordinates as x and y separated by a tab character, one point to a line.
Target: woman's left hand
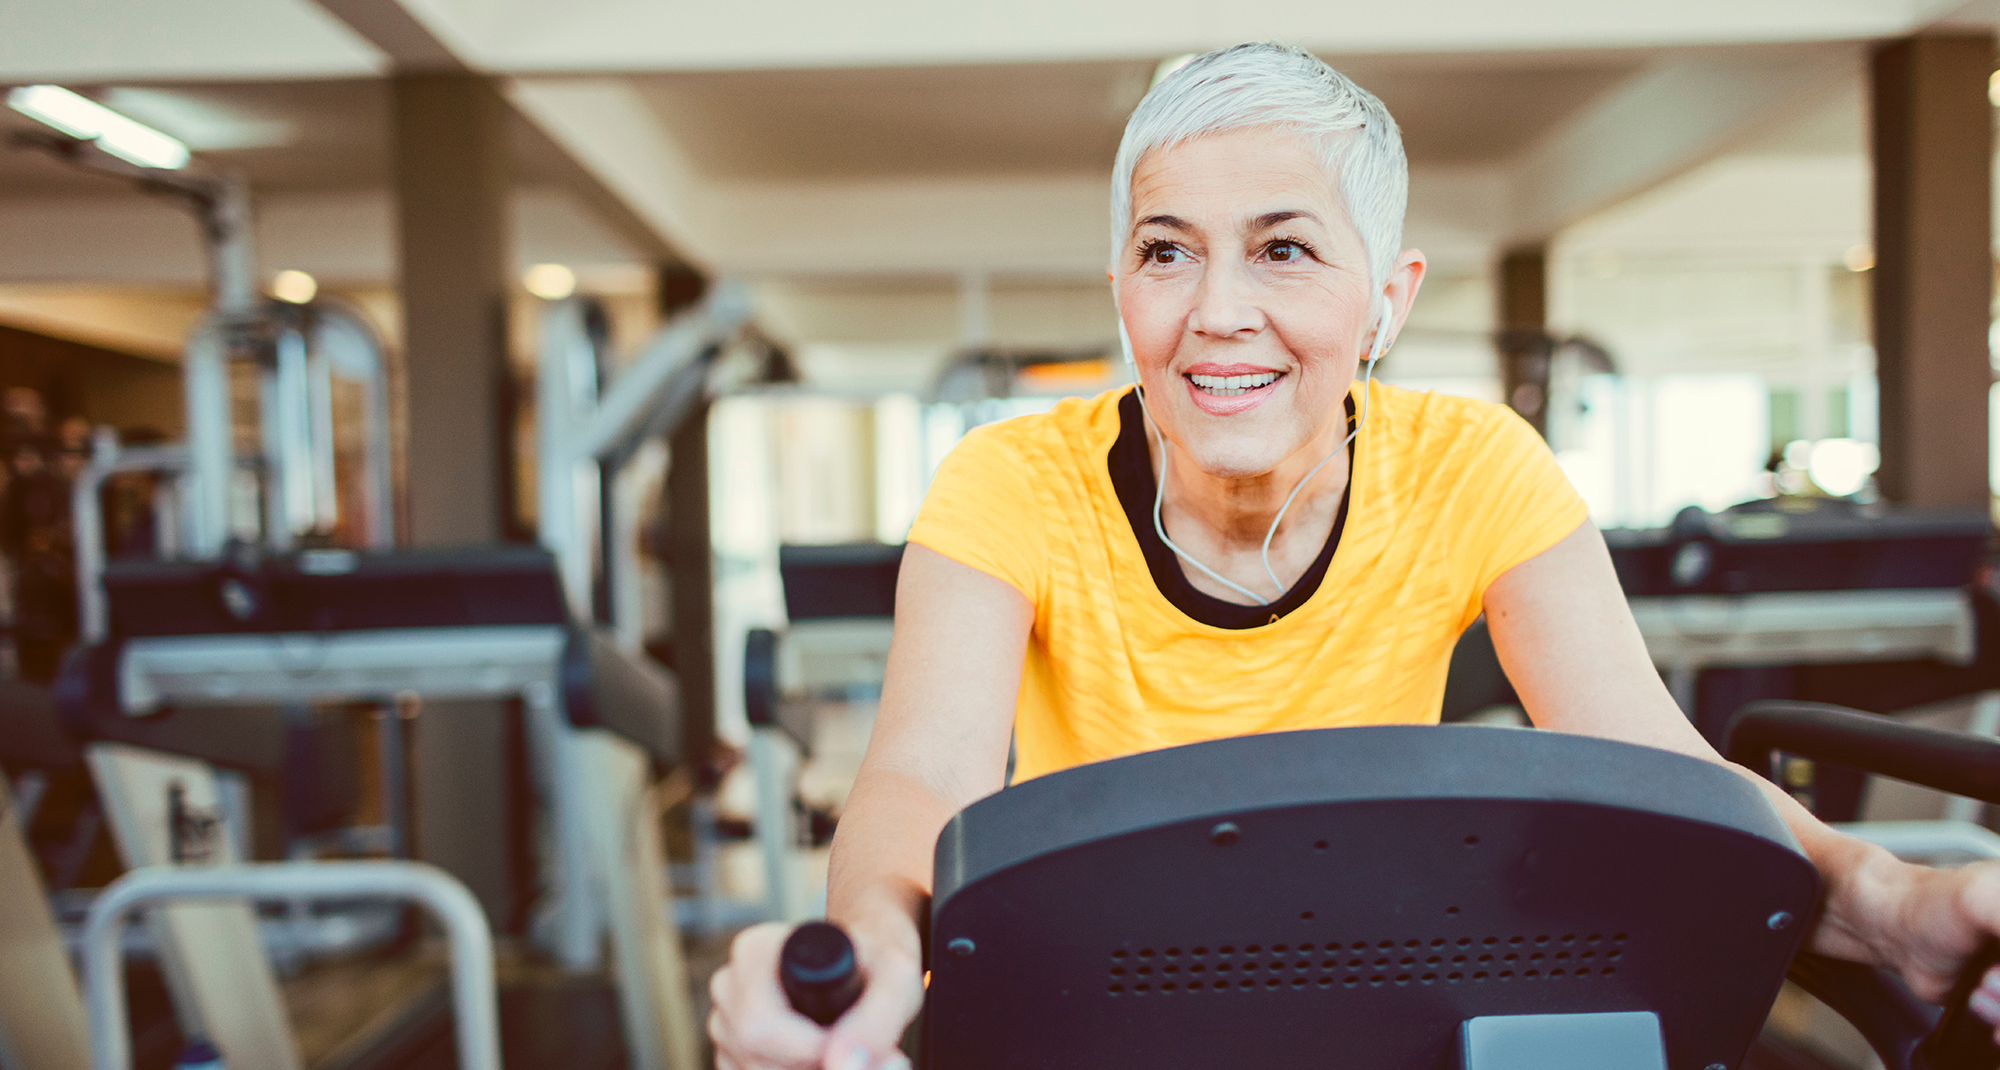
1924	923
1564	632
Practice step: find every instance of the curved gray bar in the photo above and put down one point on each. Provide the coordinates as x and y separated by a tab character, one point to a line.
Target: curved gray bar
1342	765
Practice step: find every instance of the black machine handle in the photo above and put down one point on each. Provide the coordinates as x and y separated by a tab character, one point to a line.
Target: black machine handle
819	972
1962	1038
1951	762
1892	1019
1896	1025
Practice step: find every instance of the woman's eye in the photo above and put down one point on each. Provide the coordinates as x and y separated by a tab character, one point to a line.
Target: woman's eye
1285	251
1163	253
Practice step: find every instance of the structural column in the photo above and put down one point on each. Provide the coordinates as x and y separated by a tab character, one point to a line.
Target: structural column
1933	276
452	224
452	184
1524	345
689	548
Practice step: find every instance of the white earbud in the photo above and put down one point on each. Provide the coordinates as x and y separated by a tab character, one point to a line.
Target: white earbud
1380	346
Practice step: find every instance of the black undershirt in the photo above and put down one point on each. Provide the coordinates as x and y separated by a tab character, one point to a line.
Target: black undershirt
1131	465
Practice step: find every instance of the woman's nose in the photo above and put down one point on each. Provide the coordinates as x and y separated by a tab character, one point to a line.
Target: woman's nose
1225	304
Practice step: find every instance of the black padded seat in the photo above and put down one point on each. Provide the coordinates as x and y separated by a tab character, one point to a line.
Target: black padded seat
336	590
1476	679
86	693
1789	545
31	728
856	579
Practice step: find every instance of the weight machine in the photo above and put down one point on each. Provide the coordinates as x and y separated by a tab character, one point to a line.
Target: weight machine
275	590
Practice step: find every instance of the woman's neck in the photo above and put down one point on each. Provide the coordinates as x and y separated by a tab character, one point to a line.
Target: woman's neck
1223	521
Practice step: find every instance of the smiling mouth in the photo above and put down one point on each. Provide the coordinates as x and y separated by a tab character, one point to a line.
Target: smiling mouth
1229	386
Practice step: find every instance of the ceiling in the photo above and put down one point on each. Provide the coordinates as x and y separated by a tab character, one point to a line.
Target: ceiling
1067	117
284	137
863	165
875	122
1458	110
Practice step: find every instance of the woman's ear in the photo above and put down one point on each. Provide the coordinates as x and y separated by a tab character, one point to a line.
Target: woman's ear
1405	279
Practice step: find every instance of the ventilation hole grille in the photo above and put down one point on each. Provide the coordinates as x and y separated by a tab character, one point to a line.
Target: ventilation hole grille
1288	967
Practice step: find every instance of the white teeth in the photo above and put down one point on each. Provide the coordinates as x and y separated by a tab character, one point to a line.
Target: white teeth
1232	385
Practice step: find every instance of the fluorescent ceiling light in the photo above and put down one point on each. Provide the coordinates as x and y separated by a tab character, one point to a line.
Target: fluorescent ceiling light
81	117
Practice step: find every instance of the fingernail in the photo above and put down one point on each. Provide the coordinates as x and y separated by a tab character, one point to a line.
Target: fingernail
1986	1006
896	1063
855	1059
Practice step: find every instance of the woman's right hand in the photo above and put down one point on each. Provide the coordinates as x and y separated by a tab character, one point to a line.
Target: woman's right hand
755	1028
939	743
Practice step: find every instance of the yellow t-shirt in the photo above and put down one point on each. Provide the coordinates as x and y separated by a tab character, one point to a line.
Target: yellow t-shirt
1447	493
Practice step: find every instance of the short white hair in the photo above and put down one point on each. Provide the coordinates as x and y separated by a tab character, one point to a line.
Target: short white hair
1278	85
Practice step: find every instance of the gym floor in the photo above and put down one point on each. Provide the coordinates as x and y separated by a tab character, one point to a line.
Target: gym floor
394	1013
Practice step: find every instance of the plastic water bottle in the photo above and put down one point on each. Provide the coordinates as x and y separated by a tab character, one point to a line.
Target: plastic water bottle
199	1055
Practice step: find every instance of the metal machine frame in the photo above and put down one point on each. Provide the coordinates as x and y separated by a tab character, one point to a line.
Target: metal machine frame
609	869
448	901
1688	633
586	435
299	352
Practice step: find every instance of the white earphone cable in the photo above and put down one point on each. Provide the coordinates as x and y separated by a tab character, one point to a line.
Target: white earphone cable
1160	485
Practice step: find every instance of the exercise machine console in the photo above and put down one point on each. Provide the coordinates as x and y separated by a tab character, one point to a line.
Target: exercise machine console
1400	898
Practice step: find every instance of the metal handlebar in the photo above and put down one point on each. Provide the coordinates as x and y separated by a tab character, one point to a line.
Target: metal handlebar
1901	1030
1952	762
475	1004
1962	1038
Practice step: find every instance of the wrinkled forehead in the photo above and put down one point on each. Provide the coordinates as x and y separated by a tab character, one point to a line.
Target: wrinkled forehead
1240	175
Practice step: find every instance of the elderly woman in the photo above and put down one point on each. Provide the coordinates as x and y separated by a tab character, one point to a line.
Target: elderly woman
1257	538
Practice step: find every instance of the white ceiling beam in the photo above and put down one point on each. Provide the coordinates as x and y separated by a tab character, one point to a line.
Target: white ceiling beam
915	226
91	41
1047	226
1957	14
113	40
1745	208
414	44
407	41
1664	122
342	238
606	127
1032	226
529	36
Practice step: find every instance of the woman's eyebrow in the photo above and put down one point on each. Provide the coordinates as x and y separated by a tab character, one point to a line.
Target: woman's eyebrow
1171	222
1272	219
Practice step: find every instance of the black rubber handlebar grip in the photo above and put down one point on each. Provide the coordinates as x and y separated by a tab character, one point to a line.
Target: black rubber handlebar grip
1963	1040
818	971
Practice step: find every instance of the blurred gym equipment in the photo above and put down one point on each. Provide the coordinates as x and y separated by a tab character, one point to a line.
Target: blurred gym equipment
448	901
164	807
1838	584
255	611
839	601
